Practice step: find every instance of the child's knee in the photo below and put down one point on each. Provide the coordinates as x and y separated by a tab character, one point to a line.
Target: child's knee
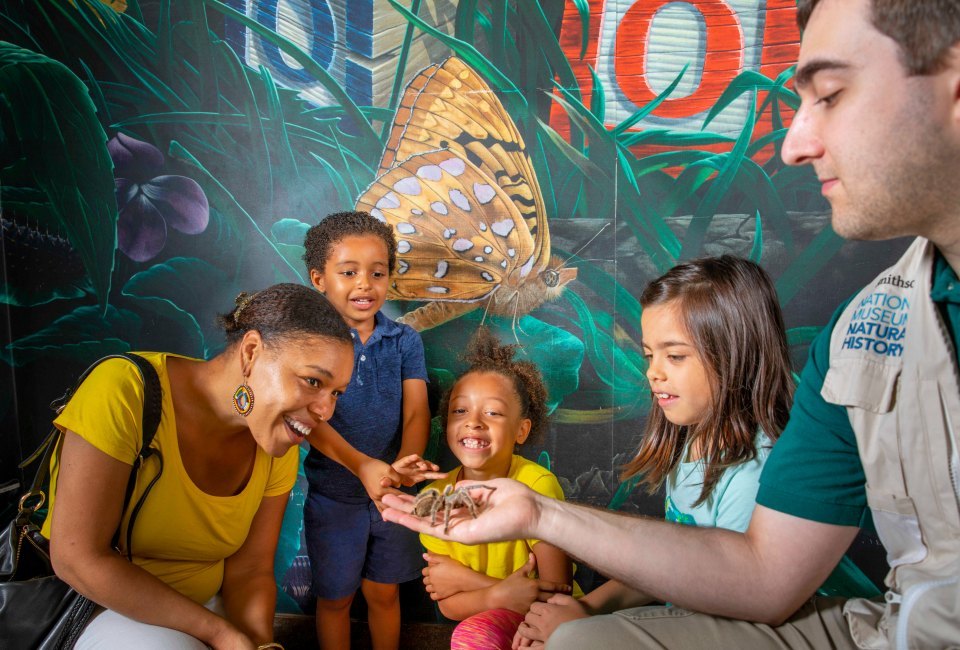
379	594
335	605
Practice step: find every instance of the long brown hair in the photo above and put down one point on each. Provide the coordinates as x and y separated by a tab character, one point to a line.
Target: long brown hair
730	309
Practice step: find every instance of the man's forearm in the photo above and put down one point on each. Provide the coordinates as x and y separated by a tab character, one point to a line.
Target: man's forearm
710	570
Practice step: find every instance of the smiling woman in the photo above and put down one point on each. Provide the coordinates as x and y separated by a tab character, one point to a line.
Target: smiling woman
203	543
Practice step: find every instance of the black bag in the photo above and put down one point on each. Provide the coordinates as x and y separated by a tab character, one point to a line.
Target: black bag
37	609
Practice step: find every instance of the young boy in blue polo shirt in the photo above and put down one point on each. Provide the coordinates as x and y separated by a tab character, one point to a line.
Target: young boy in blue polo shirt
384	415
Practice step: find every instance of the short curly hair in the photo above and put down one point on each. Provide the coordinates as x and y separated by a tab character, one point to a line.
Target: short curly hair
335	227
487	354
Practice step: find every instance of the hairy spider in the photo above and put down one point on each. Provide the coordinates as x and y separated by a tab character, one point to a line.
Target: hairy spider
431	501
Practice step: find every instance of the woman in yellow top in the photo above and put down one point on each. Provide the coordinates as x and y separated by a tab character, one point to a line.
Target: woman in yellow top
208	529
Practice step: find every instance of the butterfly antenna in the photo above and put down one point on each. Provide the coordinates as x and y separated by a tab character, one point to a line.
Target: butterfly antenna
589	241
593	259
486	309
516	320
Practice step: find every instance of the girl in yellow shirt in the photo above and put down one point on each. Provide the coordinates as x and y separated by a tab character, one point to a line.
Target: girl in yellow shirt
497	404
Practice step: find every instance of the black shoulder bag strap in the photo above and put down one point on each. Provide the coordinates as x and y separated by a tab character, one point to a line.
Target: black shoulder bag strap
152	408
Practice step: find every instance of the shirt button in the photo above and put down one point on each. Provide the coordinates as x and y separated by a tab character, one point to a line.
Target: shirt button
950	287
363	357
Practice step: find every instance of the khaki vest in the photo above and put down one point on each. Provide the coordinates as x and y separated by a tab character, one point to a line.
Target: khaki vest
893	366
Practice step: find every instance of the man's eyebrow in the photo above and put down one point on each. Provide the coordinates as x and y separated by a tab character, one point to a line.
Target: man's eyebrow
806	73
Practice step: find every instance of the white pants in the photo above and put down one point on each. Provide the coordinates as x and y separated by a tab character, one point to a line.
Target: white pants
108	630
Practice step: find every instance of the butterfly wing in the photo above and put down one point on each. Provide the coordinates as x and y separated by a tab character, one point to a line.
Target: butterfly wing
448	106
459	235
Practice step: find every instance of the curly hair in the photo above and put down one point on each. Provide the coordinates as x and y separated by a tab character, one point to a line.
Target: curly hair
487	354
284	311
322	237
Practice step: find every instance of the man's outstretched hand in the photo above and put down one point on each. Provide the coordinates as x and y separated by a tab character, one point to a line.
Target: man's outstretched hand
511	511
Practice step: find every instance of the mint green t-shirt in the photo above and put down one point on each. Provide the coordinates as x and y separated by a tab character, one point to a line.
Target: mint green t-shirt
814	472
731	503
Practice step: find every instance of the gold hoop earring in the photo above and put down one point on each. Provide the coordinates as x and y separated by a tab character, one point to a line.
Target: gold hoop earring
243	399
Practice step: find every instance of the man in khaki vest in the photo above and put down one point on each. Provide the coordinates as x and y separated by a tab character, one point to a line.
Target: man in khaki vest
873	435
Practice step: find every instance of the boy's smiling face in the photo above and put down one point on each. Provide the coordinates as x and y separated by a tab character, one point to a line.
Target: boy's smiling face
355	279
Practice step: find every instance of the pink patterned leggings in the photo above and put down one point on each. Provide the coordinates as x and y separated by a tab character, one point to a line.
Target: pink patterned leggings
489	630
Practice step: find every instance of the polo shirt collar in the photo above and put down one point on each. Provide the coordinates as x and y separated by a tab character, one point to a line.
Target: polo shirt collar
383	327
946	286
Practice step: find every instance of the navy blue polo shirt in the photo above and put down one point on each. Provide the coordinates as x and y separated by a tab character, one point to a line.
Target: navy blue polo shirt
369	414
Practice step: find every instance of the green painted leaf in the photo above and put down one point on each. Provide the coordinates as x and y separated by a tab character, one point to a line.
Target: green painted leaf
543	460
597	101
472	57
556	352
54	121
369	143
84	335
191	292
814	257
288	544
746	81
651	106
289	235
696	231
757	250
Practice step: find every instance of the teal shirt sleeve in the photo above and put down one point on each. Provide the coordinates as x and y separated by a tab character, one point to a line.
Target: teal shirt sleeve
814	470
737	493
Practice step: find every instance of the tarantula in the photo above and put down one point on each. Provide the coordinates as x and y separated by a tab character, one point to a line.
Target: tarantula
431	501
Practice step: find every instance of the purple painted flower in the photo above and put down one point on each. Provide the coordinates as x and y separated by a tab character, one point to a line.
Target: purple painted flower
148	203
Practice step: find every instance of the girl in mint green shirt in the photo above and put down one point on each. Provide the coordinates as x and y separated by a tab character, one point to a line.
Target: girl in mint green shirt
721	389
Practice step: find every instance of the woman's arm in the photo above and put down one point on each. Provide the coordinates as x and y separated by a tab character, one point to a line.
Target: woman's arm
86	513
249	589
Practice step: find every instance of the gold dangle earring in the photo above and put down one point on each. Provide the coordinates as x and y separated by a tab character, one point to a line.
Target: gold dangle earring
243	398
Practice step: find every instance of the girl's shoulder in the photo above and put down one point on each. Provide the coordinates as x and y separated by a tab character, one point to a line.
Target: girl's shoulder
535	476
763	444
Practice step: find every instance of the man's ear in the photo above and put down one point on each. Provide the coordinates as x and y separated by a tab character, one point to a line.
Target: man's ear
524	432
316	279
951	74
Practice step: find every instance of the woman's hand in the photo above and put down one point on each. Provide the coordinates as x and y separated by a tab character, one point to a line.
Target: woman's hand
517	592
230	638
544	618
413	469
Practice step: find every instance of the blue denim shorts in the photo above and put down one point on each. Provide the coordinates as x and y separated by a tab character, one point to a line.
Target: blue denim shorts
350	541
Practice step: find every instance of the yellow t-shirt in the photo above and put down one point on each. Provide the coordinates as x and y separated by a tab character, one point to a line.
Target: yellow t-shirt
497	559
181	535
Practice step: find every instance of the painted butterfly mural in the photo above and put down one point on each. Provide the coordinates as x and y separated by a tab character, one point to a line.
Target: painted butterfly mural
459	190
